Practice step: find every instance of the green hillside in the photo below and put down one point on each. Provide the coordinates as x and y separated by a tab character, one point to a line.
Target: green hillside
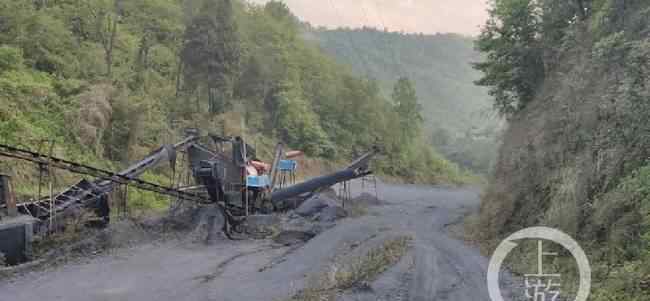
439	65
458	115
109	80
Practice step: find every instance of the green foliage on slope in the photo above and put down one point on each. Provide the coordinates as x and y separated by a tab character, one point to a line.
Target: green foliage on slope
575	155
622	222
111	79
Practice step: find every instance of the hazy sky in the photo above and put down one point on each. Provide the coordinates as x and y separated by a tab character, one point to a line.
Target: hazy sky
427	16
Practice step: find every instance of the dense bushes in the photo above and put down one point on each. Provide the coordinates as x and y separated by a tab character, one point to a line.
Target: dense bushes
621	223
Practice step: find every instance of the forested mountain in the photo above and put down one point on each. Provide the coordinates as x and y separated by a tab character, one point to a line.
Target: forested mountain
458	115
109	80
573	78
439	65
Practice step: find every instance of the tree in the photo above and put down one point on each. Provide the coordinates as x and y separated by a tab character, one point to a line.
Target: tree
279	11
104	19
298	124
95	21
514	67
45	42
212	52
11	58
157	23
521	40
440	138
408	108
109	35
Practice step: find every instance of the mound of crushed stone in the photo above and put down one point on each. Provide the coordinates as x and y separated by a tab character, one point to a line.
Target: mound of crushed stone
331	214
204	223
315	205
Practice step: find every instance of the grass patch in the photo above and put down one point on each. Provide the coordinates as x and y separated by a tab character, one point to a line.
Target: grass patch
362	270
374	263
142	203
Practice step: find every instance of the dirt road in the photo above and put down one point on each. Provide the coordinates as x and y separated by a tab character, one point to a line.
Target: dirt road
437	268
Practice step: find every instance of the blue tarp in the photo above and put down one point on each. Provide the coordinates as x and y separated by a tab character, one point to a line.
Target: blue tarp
258	181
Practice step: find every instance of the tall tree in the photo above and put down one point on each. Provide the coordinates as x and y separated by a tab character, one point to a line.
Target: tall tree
514	66
105	17
408	108
156	23
212	52
521	40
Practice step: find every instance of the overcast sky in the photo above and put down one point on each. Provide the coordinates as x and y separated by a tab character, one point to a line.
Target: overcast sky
427	16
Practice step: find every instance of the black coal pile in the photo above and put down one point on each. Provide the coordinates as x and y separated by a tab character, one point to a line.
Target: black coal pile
204	223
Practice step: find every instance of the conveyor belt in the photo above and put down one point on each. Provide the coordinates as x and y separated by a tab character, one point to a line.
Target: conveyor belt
106	180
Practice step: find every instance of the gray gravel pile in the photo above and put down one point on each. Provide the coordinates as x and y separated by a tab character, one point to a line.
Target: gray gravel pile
321	208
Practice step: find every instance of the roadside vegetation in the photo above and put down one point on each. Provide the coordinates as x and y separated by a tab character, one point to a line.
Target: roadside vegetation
373	264
361	271
572	78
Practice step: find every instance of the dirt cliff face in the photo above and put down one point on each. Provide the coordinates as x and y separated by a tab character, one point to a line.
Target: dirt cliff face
587	128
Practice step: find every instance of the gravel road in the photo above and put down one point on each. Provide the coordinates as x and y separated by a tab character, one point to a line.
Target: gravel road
437	268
